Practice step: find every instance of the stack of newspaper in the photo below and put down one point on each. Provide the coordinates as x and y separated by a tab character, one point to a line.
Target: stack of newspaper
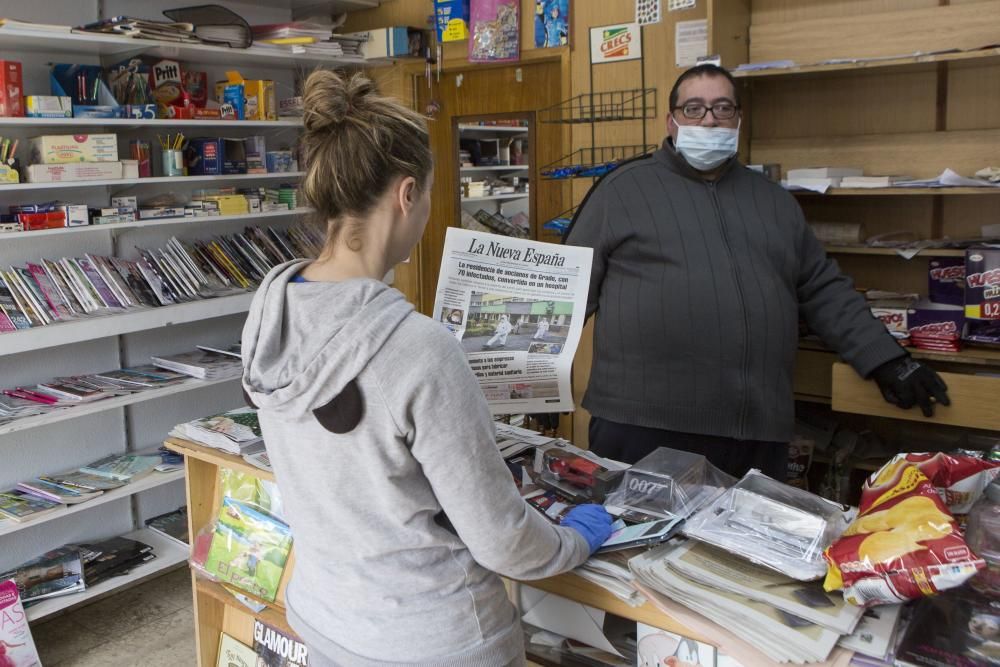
787	620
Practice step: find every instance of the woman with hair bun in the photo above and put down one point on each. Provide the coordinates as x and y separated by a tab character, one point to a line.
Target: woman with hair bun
382	444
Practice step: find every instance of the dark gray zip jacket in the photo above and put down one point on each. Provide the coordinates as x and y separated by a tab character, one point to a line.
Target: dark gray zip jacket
698	287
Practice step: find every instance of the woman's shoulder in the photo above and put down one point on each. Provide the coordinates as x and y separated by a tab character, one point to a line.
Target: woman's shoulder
418	337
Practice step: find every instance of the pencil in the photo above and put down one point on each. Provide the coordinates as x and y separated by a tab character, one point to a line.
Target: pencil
13	149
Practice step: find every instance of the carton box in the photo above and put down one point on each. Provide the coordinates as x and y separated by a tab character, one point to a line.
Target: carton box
74	171
11	88
64	148
48	106
982	283
946	280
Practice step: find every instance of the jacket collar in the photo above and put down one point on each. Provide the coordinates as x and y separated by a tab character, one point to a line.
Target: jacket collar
669	156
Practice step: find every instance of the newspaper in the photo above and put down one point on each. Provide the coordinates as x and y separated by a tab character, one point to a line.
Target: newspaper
518	308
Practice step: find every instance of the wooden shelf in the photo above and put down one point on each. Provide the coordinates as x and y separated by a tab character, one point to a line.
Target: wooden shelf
987	56
155	180
499	167
273	615
973	356
896	192
150	481
491	129
215	457
75	331
61	43
894	252
133	123
169	555
95	407
143	224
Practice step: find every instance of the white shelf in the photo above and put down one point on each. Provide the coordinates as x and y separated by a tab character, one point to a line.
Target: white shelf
169	554
138	124
74	411
501	167
150	481
75	331
491	129
520	195
57	44
158	222
60	185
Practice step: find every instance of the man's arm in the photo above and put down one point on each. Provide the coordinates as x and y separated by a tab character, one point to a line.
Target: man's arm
590	229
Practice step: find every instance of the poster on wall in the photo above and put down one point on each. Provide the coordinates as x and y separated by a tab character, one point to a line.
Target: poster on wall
518	307
551	23
615	43
496	31
647	12
690	42
452	20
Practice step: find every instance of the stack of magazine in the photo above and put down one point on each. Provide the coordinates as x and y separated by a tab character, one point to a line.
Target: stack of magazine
235	432
202	364
49	291
172	525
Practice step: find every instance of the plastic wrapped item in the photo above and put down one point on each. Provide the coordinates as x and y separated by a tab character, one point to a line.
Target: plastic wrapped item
905	543
577	473
496	32
667	484
983	535
771	524
959	478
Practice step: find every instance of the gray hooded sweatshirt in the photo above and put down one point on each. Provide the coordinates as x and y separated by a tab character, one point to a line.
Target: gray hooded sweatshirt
401	507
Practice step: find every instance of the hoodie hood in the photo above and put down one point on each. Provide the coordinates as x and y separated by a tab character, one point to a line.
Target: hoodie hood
304	343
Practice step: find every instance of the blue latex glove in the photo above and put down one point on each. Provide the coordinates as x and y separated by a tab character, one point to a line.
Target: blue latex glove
592	521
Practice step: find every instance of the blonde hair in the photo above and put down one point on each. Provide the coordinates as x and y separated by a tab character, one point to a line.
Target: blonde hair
356	141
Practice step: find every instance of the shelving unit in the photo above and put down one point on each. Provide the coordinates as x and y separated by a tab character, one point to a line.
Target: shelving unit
478	136
156	222
496	198
503	167
491	130
95	343
893	252
899	192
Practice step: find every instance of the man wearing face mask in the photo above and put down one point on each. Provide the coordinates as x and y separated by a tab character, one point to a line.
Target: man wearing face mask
701	271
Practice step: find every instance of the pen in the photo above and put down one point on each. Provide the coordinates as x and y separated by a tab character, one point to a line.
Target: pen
13	150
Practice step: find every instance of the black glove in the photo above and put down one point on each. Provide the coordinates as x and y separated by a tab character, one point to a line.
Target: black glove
905	382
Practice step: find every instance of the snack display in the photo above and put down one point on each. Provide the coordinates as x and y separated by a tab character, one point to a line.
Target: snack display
771	524
904	544
667	484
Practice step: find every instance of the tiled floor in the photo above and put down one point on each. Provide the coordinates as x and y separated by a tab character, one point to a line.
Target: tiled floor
151	625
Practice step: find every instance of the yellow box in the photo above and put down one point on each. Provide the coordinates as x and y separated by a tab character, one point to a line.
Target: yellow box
9	174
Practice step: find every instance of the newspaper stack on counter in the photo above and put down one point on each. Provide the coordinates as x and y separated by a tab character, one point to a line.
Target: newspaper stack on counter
518	307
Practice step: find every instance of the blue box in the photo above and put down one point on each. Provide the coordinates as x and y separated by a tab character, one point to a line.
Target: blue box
451	19
203	156
141	111
88	101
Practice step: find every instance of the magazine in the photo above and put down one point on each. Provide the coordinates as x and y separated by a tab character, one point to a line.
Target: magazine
249	549
22	506
518	308
275	648
17	648
122	467
76	479
236	432
112	558
875	634
173	525
957	627
46	490
57	572
260	460
202	365
233	653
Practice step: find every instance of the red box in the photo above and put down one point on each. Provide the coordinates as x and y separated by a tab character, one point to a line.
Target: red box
11	89
36	221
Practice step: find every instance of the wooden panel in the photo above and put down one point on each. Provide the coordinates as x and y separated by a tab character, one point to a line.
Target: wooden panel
729	31
973	399
878	215
973	96
872	35
859	103
209	615
965	216
813	373
582	364
783	11
921	155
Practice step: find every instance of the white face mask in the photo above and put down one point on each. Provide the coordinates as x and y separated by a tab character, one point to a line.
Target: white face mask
705	148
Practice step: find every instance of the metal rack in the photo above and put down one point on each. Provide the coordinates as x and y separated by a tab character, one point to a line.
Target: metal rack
603	107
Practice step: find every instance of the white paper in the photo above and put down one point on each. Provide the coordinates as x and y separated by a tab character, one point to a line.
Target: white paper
691	42
518	308
565	617
615	43
648	11
674	5
655	648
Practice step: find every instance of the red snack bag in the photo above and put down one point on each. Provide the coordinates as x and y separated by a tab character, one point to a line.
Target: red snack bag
904	544
959	478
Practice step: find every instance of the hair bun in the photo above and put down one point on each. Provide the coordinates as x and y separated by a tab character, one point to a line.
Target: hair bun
330	99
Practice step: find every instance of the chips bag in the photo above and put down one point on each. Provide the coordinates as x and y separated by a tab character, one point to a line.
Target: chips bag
904	544
959	478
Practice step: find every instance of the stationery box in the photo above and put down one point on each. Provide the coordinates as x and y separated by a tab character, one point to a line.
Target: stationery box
255	150
85	86
260	100
48	106
279	161
63	148
946	280
384	42
161	212
73	171
982	283
76	215
204	156
11	88
35	221
234	156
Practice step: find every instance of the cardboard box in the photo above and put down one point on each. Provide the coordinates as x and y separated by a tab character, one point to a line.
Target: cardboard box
127	203
161	212
290	106
36	221
204	156
982	283
11	88
130	169
935	320
384	42
893	314
76	215
280	162
64	148
255	151
74	171
234	156
260	100
946	280
48	106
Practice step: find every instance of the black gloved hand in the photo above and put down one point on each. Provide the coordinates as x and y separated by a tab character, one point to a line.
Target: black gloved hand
905	382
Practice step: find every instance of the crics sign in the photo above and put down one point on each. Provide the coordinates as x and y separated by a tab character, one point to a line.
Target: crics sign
614	43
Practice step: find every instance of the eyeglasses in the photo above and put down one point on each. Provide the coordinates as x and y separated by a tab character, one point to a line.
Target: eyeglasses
697	111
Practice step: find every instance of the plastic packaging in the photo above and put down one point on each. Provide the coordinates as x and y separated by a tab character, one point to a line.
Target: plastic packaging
958	478
496	32
771	524
581	475
667	484
905	543
983	536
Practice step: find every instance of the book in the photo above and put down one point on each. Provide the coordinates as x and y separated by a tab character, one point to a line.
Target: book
870	181
173	525
236	432
76	479
30	289
249	549
233	653
56	493
54	573
202	365
824	172
15	635
69	391
85	292
21	506
235	350
122	467
275	648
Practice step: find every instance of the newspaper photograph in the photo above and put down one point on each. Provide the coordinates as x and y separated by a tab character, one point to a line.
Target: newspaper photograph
518	308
